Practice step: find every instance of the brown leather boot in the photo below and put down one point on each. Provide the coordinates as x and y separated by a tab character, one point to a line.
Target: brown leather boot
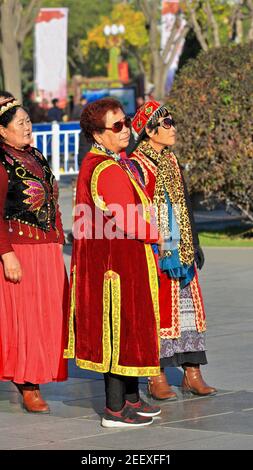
159	389
193	382
33	401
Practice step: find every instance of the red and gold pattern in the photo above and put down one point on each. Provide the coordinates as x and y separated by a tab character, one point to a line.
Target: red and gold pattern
36	193
123	268
169	290
144	114
168	177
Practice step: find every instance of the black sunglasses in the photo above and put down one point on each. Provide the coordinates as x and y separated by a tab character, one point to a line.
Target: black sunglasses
118	125
167	123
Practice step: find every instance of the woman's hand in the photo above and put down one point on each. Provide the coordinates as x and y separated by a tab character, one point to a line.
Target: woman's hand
12	267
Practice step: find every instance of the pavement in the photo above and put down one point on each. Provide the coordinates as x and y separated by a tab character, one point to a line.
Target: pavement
224	421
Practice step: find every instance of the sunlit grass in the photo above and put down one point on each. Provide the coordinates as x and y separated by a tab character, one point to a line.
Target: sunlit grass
232	238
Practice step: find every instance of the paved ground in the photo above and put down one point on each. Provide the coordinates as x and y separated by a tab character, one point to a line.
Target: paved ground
221	422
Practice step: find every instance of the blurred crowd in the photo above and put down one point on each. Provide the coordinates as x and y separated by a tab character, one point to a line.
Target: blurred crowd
41	110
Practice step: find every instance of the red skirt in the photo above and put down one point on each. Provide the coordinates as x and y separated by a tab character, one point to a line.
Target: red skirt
32	316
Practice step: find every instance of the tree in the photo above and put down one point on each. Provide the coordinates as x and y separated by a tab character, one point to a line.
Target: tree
212	100
159	59
218	22
215	23
134	39
16	20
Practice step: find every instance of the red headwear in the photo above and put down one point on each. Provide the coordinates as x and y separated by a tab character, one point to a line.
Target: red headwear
149	111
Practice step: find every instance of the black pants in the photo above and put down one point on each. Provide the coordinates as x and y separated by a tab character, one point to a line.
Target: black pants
120	388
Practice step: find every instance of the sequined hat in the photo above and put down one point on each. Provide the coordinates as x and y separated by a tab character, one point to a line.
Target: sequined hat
7	104
148	112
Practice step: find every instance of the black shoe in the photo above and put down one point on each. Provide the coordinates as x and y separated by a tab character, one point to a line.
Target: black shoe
126	417
143	408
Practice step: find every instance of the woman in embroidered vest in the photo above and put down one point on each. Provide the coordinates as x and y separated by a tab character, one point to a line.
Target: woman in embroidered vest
182	316
114	316
33	281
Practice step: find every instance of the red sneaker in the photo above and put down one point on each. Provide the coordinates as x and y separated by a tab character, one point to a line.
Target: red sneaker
143	408
126	417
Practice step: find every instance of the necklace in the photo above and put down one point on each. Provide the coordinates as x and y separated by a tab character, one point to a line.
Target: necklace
110	153
125	163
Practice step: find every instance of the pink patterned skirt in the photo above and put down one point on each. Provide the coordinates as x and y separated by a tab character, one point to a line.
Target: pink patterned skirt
32	316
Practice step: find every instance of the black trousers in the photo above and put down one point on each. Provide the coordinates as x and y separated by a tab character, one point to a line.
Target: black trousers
120	388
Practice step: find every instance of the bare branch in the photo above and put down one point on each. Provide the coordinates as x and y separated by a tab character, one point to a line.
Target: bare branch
243	210
144	5
250	7
214	25
183	34
196	26
27	19
171	39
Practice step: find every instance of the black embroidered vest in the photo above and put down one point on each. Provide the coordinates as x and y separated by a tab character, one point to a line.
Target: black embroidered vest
32	190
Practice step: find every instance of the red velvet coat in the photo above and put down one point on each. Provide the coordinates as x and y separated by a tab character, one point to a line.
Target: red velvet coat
169	289
114	313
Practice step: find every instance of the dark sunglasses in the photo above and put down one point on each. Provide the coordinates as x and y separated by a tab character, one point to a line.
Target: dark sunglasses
167	123
118	125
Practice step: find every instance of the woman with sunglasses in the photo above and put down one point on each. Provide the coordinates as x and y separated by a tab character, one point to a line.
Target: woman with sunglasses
182	315
114	284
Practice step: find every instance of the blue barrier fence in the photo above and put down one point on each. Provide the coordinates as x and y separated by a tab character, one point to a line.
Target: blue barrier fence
46	129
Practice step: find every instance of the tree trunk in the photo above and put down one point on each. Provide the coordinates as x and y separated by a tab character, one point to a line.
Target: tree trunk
158	90
10	54
11	70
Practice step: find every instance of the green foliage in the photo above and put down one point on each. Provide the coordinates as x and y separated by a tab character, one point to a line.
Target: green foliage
212	100
134	41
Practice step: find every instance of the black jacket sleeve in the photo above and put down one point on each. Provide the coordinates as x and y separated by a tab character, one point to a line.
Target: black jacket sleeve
190	212
84	147
198	252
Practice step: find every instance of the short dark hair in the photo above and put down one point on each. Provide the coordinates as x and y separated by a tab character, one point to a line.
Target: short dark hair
93	116
54	101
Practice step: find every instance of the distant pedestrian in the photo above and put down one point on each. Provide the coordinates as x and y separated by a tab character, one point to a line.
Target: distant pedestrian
55	113
78	109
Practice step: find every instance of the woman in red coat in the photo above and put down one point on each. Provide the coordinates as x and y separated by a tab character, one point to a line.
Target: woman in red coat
114	316
182	315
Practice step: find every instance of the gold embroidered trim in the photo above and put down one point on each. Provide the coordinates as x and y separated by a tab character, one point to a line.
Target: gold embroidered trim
199	311
104	366
153	282
69	353
137	371
116	309
98	201
112	286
